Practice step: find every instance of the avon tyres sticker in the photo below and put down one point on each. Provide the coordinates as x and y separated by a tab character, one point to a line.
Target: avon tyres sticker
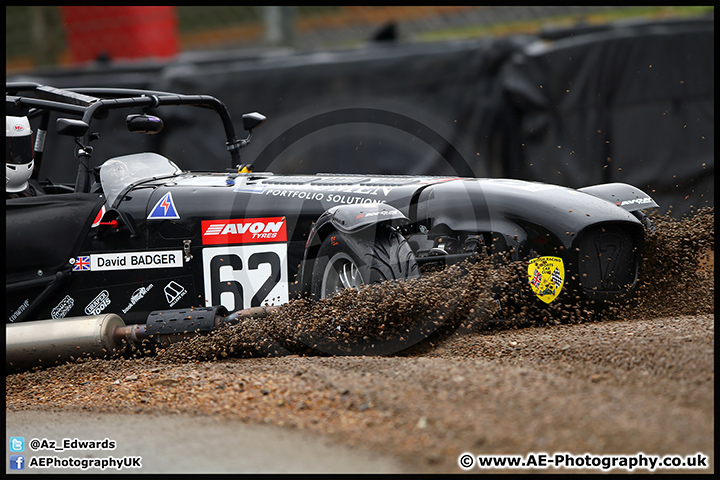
238	277
246	230
129	261
546	276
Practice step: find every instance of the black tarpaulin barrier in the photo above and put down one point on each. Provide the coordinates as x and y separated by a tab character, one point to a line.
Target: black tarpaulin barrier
426	109
390	109
633	104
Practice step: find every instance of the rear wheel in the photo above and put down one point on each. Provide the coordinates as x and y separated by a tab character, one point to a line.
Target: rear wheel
348	261
341	272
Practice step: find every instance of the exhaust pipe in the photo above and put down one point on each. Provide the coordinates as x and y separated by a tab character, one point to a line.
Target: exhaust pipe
54	342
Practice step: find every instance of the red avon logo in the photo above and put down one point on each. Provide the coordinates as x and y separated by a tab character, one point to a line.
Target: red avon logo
245	230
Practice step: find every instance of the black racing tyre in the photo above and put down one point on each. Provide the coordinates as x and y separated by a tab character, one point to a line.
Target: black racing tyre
348	261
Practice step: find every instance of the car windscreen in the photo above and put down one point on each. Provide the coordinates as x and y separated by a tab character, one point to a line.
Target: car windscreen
118	173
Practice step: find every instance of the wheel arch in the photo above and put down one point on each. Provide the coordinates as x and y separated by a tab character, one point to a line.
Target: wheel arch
348	219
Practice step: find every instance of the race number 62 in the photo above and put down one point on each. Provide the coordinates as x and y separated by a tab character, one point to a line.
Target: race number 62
238	277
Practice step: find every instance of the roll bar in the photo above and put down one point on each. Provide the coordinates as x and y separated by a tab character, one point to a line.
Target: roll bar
89	103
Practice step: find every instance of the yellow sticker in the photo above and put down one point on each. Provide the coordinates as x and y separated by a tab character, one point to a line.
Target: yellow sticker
546	276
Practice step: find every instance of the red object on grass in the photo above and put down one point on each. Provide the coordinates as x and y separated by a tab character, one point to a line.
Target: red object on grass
121	32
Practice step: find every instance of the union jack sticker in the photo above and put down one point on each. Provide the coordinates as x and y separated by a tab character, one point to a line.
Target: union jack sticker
546	276
164	208
81	264
537	278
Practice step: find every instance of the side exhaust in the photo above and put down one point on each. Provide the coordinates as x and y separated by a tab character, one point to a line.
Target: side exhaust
51	342
54	342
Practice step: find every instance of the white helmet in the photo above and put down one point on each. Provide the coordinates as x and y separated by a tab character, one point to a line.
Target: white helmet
19	163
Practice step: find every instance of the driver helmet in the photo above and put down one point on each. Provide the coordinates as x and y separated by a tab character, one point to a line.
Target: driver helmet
19	161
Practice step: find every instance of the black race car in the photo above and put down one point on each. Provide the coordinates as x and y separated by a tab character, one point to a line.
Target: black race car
136	234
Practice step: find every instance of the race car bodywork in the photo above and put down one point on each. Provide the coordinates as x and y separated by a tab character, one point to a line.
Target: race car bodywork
137	234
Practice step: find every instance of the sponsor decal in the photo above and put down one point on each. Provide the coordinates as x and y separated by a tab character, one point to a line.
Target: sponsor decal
164	209
299	194
174	292
348	200
62	308
129	261
546	276
98	304
341	194
20	310
331	197
246	230
137	296
238	277
635	201
257	189
381	213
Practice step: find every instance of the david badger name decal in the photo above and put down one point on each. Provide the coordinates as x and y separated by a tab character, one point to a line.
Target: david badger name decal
129	261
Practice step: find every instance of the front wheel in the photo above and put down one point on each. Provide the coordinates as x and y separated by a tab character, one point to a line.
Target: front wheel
348	261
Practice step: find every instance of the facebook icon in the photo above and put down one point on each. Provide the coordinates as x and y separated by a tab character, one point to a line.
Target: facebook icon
17	462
